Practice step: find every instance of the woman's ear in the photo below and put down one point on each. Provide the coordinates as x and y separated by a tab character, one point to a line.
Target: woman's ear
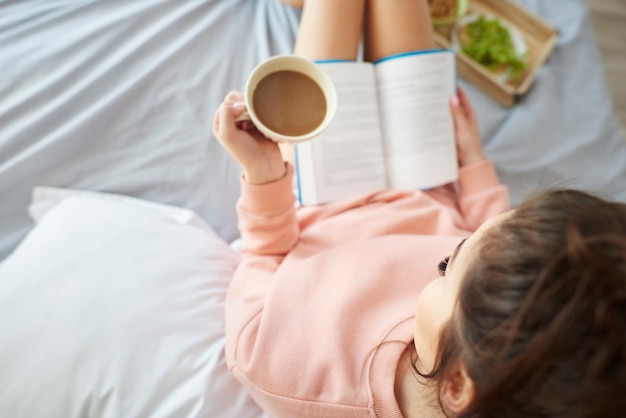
457	391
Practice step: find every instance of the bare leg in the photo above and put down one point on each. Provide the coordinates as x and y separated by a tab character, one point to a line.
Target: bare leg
330	29
396	26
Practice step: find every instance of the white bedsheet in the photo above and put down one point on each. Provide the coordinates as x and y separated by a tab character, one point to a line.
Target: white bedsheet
118	96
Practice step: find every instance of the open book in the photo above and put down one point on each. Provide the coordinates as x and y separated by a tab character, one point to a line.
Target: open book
393	128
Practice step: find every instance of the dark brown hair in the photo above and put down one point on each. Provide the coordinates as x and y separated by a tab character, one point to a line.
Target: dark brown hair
540	324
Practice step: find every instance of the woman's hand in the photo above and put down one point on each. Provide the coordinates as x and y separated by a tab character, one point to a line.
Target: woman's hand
259	157
469	146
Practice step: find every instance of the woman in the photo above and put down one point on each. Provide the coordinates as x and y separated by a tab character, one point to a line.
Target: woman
334	311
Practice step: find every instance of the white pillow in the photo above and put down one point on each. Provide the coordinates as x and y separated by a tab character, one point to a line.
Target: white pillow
113	307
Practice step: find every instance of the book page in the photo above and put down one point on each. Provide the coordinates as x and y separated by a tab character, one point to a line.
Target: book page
347	159
416	121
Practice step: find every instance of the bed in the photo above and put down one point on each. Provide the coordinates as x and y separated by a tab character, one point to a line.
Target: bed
118	205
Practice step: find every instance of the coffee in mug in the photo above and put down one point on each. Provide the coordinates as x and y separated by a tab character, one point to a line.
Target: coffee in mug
289	102
290	99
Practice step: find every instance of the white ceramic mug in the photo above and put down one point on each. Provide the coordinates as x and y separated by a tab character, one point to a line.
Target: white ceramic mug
300	65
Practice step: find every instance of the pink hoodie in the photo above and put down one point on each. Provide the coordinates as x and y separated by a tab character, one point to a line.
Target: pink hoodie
323	303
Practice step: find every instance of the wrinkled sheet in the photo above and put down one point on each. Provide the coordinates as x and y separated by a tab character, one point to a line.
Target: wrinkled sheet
118	97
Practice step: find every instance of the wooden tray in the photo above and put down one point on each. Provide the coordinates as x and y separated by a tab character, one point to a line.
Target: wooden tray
539	36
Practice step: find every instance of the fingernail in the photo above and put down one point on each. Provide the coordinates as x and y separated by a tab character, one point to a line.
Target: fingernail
238	105
455	101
